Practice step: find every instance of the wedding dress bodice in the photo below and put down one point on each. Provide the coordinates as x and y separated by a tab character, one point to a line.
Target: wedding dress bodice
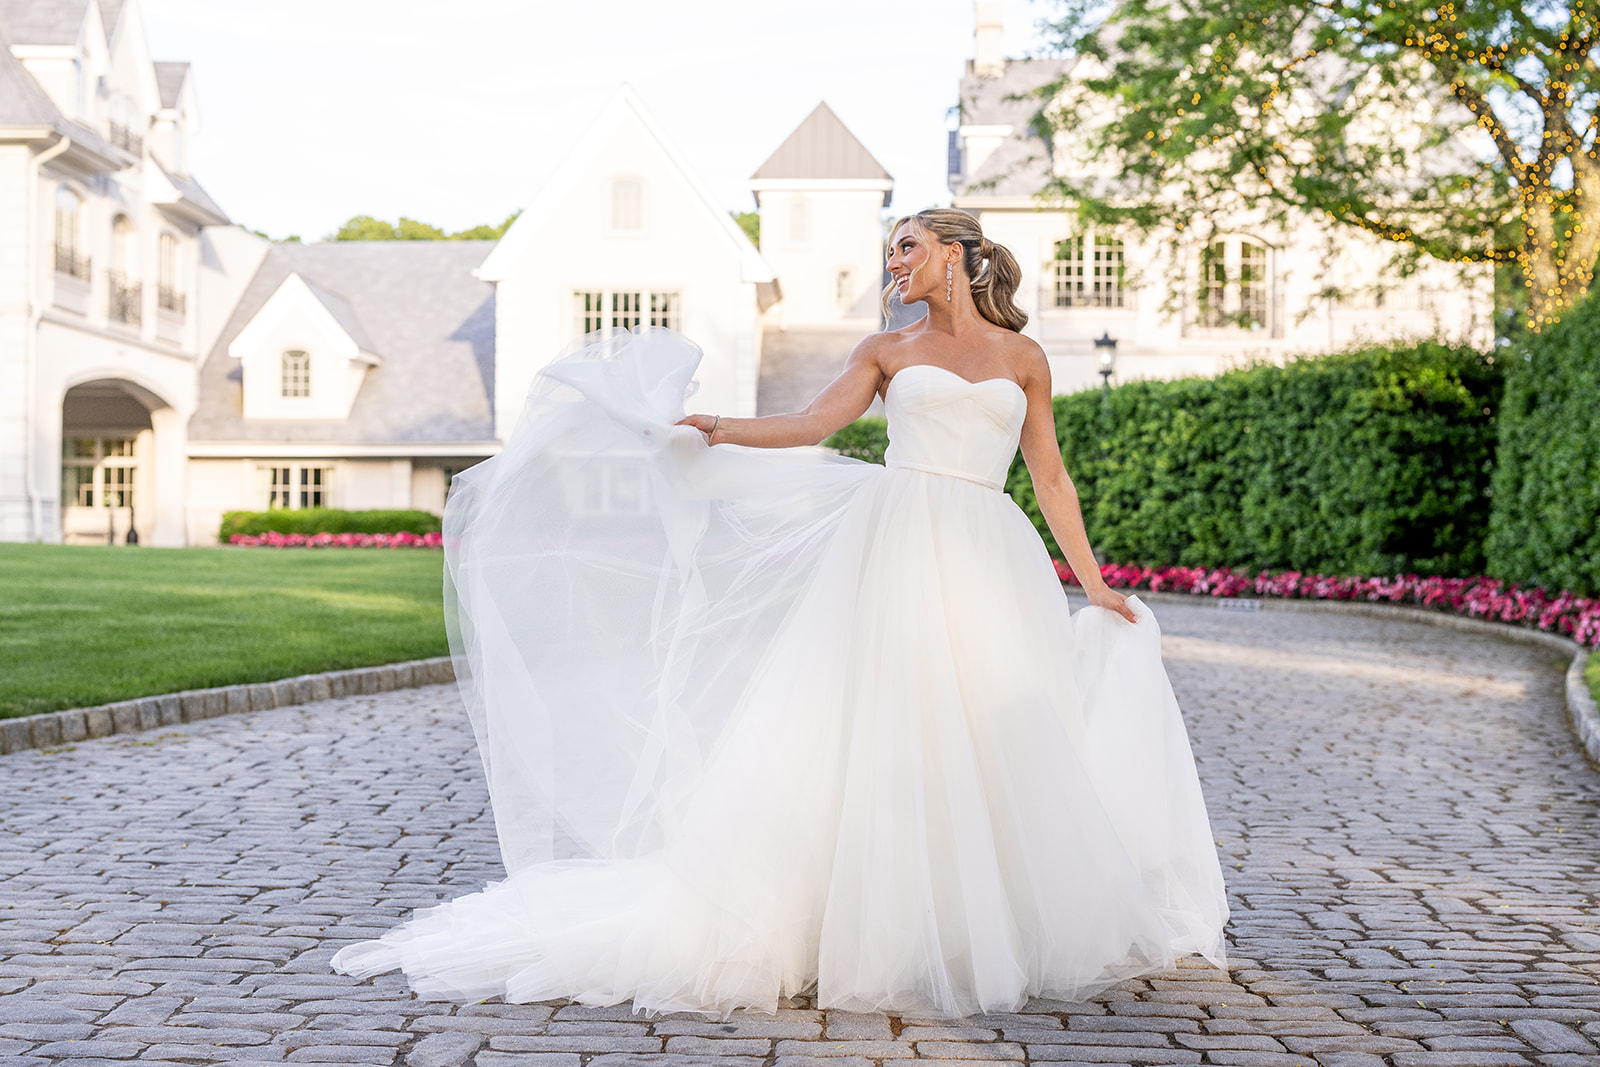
943	424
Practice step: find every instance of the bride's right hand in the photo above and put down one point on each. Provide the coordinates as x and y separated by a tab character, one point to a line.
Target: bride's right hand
704	423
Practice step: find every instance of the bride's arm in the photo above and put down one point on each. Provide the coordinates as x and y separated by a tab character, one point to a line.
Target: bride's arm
841	403
1058	497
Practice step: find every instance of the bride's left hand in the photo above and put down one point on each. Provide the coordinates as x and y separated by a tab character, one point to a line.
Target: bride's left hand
1112	600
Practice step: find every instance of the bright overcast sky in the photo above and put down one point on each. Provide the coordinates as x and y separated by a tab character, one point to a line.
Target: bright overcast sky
316	110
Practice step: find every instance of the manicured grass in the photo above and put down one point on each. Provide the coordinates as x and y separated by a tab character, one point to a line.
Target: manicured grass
82	626
1591	674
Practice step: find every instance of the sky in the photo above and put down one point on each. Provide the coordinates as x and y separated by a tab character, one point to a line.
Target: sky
313	111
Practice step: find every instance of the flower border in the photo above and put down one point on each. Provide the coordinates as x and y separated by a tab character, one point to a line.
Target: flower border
1564	613
403	539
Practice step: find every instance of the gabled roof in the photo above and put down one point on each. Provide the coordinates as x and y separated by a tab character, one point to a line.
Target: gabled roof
414	302
22	101
169	80
343	314
110	13
1020	166
622	107
43	21
821	147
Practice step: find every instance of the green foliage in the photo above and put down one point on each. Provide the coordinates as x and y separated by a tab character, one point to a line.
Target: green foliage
325	520
367	228
750	223
292	239
81	626
1281	105
1544	528
1367	462
863	439
1591	673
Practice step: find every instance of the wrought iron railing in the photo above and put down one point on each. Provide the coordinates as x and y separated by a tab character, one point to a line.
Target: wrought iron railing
169	299
125	138
71	262
126	302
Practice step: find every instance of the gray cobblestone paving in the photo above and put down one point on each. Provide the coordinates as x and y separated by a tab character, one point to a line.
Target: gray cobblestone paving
1409	835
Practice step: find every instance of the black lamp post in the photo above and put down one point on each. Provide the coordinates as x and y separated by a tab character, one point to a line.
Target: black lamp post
1105	347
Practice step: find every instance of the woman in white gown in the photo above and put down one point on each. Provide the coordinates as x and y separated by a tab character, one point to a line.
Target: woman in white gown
760	720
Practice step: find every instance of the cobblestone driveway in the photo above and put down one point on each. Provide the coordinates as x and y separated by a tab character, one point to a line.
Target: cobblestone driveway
1409	835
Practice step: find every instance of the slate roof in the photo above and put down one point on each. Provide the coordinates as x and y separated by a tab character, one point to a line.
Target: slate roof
22	101
419	308
169	81
198	198
821	147
42	21
110	12
1020	166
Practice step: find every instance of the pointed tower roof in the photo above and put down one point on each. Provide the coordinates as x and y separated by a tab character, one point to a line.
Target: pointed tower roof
821	147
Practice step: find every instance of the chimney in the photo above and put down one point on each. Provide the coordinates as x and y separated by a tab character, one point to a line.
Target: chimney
990	61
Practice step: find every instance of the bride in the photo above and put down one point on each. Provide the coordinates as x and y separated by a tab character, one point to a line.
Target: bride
760	721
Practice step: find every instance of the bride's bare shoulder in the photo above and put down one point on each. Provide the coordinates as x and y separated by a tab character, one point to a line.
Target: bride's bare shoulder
1023	355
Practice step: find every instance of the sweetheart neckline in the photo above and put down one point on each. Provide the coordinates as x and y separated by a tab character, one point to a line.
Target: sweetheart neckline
934	366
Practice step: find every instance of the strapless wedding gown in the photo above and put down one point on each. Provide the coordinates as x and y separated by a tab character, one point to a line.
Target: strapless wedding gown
762	722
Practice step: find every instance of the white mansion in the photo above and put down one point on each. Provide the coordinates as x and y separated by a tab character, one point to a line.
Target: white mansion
159	365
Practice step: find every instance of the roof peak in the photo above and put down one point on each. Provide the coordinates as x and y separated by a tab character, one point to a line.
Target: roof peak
823	148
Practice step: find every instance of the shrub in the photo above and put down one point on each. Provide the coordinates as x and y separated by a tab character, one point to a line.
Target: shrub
863	439
1543	527
325	520
1374	461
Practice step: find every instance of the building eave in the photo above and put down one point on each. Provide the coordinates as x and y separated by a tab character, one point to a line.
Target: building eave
342	449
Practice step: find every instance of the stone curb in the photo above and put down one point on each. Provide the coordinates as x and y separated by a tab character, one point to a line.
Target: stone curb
151	713
1581	709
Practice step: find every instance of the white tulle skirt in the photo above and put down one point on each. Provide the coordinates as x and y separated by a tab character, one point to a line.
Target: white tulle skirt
757	724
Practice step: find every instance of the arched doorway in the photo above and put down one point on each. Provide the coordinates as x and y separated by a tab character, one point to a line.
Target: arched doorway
108	482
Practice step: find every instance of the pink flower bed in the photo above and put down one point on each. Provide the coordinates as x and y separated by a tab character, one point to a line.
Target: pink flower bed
1483	598
402	539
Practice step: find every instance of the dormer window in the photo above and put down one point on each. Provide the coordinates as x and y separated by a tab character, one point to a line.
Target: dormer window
627	205
296	374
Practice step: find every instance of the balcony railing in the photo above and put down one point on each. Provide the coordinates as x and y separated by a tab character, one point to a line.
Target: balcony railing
126	300
71	262
125	138
169	299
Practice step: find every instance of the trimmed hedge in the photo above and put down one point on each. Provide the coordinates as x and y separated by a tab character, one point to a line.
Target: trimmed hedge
1375	461
1544	529
325	520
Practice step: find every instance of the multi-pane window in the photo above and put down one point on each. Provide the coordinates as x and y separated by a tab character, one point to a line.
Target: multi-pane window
295	377
98	472
1234	284
125	295
600	309
799	220
168	294
615	485
1089	273
299	487
69	248
627	204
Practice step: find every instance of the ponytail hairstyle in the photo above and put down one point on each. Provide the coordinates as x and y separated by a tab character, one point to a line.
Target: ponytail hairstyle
992	269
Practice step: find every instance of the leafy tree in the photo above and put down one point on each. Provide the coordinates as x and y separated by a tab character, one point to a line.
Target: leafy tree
750	223
367	228
292	239
1461	131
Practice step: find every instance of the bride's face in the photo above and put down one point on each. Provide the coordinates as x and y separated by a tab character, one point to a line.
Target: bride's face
915	277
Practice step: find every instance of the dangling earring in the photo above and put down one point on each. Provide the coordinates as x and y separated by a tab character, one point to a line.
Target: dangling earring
949	282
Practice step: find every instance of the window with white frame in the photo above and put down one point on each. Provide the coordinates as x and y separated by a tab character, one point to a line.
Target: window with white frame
799	220
627	204
600	309
125	295
295	374
613	485
70	259
1088	272
98	472
169	296
1234	284
299	487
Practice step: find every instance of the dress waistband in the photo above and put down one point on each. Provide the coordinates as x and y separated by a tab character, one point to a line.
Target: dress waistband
925	468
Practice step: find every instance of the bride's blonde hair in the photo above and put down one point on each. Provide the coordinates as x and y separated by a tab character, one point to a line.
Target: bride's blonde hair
993	270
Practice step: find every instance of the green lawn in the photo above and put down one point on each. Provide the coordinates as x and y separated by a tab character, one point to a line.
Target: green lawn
1592	674
81	626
